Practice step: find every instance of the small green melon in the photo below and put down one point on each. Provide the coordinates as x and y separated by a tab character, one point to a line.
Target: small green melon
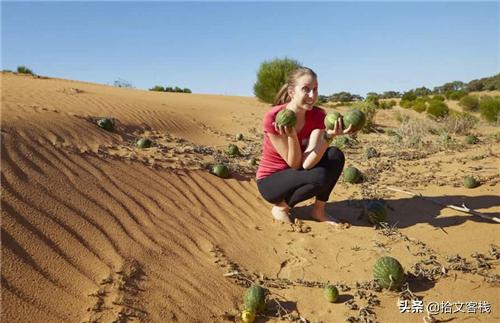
252	161
471	182
352	175
377	212
106	124
388	273
233	150
286	118
331	293
471	139
331	118
239	136
356	117
221	171
144	143
371	152
255	298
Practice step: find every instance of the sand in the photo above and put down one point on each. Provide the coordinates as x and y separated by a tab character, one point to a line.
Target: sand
97	230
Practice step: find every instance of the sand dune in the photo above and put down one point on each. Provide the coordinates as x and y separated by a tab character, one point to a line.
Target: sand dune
96	230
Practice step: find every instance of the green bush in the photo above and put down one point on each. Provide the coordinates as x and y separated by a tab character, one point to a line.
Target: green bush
439	97
409	96
271	76
387	104
24	70
455	95
405	104
437	109
186	90
489	107
419	105
157	88
469	103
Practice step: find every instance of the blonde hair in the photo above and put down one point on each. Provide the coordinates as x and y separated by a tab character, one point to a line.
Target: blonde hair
282	96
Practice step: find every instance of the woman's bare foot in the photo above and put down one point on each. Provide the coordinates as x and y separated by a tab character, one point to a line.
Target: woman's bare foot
319	214
281	213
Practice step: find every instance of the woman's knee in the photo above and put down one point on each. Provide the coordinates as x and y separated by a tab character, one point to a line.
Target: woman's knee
336	157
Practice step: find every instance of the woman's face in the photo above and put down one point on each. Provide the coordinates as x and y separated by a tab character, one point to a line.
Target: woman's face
305	92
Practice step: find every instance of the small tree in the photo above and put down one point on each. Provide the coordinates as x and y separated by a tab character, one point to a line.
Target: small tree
186	90
409	96
271	76
24	70
469	103
157	88
437	109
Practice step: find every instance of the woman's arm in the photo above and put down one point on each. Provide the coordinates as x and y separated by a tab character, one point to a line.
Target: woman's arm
315	149
288	147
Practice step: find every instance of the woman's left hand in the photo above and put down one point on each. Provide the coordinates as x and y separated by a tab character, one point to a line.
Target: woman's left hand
339	130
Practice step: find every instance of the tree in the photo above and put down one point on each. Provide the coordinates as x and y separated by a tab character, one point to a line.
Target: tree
271	76
422	91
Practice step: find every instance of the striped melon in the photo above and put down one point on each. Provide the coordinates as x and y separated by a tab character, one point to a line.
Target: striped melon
331	293
255	299
221	171
470	182
233	150
106	124
356	117
144	143
388	273
331	118
471	139
286	118
352	175
376	212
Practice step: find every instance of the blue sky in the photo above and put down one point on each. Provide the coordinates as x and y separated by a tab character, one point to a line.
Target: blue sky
217	47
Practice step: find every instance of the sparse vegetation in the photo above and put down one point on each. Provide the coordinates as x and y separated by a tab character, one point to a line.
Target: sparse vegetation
489	107
177	89
437	109
469	103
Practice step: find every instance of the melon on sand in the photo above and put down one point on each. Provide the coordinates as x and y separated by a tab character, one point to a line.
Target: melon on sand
376	211
371	152
388	273
471	139
233	150
471	182
331	293
255	299
144	143
331	118
221	170
356	118
106	124
352	175
286	118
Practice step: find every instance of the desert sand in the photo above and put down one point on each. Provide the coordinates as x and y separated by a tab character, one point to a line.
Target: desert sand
97	230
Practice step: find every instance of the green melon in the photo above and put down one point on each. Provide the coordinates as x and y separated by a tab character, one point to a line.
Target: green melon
331	293
286	118
471	139
371	152
106	124
470	182
388	273
340	141
144	143
239	136
233	150
331	118
221	171
376	212
356	117
352	175
255	299
252	162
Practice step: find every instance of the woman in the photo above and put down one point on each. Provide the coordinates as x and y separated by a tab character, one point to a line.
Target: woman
297	162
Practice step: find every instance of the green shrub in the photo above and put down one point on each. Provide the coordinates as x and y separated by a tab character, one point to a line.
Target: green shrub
459	122
271	76
419	106
469	103
437	109
157	88
405	104
186	90
489	107
24	70
439	97
455	95
409	96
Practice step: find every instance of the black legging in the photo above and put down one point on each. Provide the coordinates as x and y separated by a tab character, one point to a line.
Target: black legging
297	185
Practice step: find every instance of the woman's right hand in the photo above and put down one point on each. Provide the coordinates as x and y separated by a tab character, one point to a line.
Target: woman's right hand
283	130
